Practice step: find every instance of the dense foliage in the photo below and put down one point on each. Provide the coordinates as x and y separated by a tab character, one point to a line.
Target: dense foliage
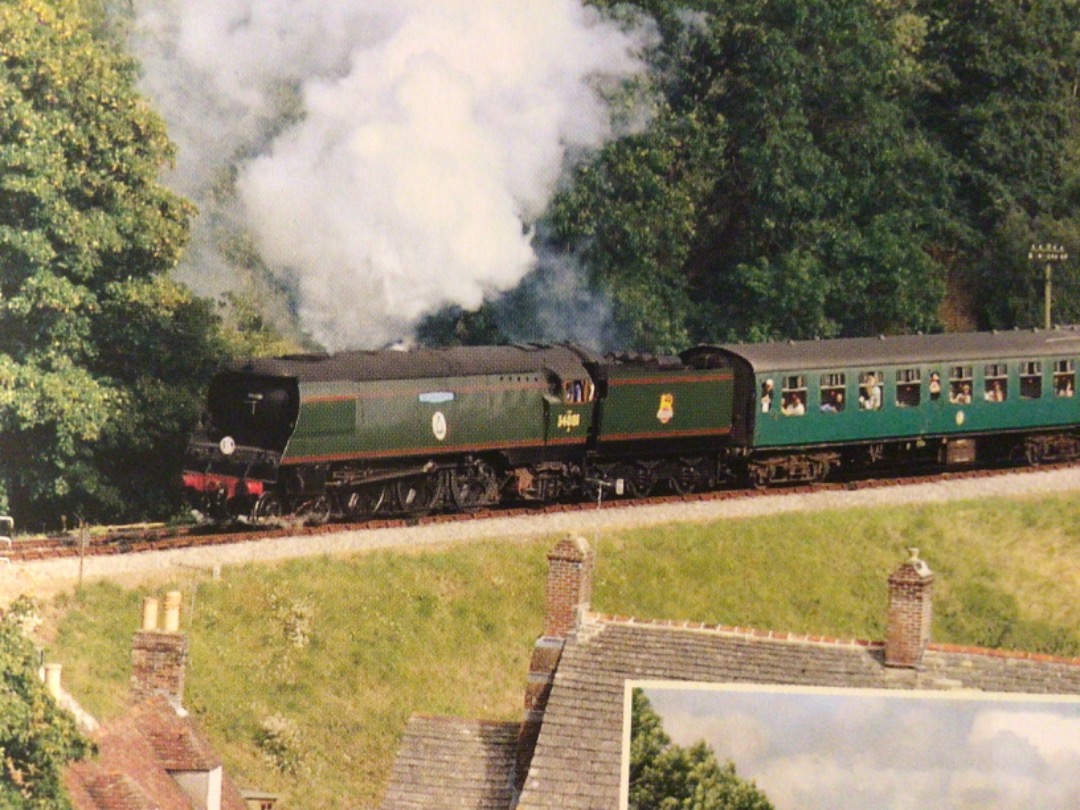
665	776
101	356
833	167
36	738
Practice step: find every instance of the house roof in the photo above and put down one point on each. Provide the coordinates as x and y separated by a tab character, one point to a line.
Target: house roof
136	754
446	762
578	754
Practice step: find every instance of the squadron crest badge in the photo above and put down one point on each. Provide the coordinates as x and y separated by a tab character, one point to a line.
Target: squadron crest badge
667	408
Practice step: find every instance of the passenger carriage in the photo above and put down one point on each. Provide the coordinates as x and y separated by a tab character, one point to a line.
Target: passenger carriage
803	409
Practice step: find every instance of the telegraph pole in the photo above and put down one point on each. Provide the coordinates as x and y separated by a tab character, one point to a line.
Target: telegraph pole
1048	255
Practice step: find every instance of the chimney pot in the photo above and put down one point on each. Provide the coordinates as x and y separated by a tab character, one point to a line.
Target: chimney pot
149	614
52	679
172	612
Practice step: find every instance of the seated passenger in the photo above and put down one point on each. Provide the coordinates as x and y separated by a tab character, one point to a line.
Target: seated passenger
793	407
961	397
995	393
833	404
1065	388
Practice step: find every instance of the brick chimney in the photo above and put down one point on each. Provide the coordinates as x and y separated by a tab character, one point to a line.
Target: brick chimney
911	590
569	590
159	657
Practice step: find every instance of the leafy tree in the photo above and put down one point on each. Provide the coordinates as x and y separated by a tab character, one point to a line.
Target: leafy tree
664	776
99	355
1000	97
36	738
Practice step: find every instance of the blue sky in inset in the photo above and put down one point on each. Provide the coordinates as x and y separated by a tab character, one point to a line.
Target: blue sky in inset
885	750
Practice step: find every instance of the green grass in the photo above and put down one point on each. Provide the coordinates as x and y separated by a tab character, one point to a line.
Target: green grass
303	674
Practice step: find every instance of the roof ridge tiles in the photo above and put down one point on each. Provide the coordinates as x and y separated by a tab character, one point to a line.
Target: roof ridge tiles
1019	655
813	638
732	630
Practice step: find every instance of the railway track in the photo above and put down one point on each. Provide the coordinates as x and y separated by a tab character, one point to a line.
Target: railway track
127	542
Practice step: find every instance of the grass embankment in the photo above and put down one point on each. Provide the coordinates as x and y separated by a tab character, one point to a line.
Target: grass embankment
303	674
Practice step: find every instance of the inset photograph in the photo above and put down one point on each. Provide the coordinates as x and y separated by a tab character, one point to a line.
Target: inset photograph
732	747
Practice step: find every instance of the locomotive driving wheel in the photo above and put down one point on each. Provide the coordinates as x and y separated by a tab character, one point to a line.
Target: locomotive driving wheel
367	500
418	494
473	487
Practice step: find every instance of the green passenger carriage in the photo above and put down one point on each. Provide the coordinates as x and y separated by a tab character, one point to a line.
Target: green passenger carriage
804	408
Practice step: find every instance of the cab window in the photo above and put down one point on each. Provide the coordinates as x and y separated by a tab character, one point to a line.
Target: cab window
908	387
577	392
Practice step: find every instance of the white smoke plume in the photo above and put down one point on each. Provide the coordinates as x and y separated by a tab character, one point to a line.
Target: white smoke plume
391	156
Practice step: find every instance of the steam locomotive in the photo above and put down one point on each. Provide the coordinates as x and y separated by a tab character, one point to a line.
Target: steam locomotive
360	434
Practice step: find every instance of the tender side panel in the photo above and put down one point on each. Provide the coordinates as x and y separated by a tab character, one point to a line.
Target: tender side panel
429	417
665	406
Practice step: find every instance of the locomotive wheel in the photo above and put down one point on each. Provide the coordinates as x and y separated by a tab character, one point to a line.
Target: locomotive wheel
267	509
316	511
688	476
473	487
367	501
418	494
637	480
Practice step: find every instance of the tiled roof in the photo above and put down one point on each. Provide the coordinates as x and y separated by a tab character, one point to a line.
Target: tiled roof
450	763
135	755
578	754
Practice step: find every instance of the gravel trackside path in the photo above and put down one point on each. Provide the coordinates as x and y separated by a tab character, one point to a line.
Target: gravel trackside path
48	577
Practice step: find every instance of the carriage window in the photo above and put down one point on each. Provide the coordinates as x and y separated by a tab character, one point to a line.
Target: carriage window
908	387
832	393
1064	378
1031	379
870	390
960	385
576	392
996	388
793	402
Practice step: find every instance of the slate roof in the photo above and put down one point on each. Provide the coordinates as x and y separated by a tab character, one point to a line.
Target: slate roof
451	763
578	754
136	753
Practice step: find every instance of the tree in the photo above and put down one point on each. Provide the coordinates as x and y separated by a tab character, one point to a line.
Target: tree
100	356
1000	98
664	776
37	739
